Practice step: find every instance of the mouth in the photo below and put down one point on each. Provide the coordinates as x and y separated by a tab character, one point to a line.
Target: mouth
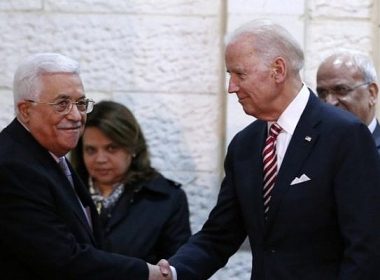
102	171
70	128
241	99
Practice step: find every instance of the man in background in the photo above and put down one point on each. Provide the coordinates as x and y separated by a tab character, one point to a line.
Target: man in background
348	80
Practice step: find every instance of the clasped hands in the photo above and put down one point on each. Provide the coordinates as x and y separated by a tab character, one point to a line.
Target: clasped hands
161	271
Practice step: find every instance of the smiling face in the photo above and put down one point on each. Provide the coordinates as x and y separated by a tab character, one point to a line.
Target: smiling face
251	79
106	162
57	132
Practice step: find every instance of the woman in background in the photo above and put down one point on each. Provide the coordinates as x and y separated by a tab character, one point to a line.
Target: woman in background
143	214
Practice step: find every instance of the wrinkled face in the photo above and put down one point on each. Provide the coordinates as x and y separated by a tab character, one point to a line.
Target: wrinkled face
106	161
250	79
343	86
57	132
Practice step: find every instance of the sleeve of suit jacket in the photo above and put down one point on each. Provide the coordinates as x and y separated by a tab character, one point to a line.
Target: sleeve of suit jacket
220	237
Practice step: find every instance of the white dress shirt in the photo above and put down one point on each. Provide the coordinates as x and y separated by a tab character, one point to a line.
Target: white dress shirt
288	121
372	125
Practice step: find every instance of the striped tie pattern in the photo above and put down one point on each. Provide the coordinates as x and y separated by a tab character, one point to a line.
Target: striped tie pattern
270	164
65	168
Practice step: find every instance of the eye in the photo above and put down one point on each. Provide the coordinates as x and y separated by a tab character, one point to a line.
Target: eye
89	150
322	92
113	148
242	76
341	90
82	104
61	105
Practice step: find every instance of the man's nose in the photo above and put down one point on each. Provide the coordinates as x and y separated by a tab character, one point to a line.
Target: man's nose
331	99
74	113
232	86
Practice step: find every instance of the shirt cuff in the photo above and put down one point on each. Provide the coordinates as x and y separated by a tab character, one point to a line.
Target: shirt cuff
174	272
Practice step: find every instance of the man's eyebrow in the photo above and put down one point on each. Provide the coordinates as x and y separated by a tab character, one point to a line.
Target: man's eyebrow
65	96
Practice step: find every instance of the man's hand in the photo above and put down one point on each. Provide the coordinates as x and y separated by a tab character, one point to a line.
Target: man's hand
159	273
165	269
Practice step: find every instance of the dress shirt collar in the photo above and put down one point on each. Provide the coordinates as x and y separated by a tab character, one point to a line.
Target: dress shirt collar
288	120
372	125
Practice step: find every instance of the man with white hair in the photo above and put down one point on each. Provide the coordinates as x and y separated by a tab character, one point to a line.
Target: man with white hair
348	80
49	228
302	181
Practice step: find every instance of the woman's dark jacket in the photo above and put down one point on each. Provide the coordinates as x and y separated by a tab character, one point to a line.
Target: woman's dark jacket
149	222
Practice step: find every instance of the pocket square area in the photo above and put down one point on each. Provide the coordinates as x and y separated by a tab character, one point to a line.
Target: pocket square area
301	179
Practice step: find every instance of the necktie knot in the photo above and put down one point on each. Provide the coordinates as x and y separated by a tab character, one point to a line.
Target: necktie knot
65	168
274	130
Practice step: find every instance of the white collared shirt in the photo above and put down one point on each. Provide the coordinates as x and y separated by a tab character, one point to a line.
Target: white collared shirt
288	120
372	125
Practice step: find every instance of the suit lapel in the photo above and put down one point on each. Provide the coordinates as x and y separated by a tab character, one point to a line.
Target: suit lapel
250	165
49	166
303	140
87	202
73	196
376	136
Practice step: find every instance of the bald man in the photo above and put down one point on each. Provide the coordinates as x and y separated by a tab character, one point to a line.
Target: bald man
348	80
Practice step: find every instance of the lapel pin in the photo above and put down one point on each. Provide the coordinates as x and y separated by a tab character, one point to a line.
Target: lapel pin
308	138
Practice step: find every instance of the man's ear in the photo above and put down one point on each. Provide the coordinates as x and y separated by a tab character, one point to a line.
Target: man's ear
24	111
373	90
279	69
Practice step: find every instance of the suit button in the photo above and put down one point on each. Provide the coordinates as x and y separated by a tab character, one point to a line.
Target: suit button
273	251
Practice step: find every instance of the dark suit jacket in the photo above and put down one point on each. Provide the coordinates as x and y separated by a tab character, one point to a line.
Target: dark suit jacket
325	228
161	202
376	136
43	231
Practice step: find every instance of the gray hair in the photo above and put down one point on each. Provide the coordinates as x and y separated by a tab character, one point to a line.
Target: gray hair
26	82
358	60
272	40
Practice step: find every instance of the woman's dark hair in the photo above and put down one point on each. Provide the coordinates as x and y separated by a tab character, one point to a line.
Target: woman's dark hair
119	124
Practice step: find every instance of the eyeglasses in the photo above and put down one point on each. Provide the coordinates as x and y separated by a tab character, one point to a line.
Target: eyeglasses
339	90
64	106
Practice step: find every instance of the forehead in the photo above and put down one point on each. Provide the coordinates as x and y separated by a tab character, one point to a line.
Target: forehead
61	85
338	70
94	135
240	53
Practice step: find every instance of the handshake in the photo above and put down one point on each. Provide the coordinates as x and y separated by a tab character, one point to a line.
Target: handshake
161	271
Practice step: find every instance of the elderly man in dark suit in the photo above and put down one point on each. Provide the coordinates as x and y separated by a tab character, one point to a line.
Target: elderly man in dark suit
48	224
302	181
348	80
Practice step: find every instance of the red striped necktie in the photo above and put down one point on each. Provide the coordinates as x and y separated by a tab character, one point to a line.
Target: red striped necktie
270	164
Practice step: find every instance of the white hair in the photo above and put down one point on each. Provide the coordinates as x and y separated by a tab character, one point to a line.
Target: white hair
270	41
26	82
358	60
